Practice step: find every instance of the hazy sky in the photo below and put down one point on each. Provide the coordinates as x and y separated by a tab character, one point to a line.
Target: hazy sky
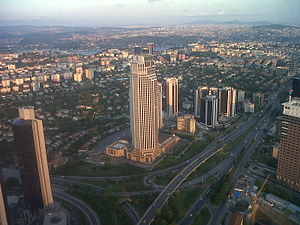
118	12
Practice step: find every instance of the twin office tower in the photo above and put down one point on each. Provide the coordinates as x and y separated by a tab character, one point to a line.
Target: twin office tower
210	103
31	153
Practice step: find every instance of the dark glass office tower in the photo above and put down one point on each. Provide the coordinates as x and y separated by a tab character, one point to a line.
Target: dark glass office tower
295	92
32	159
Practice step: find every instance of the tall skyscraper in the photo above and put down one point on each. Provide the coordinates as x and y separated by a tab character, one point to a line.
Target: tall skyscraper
295	91
288	171
227	101
160	107
137	50
241	96
209	111
200	93
4	214
150	48
172	96
144	110
32	159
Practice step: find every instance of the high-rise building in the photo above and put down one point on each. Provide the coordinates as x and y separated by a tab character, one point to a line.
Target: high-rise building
137	50
259	98
227	101
31	153
209	111
89	73
150	48
160	106
4	213
241	96
172	96
295	91
200	93
144	110
288	171
186	123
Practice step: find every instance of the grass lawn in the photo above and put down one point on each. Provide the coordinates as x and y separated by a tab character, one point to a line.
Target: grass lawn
203	217
193	150
143	201
222	189
267	160
165	179
131	184
177	206
81	168
108	208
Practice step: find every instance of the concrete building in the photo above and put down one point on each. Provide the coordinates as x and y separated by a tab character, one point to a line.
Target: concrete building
150	48
117	149
186	123
31	153
259	98
200	93
78	77
160	106
209	111
227	101
144	110
241	96
249	107
89	73
4	213
172	96
288	171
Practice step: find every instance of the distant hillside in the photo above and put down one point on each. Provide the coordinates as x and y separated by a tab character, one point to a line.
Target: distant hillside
232	22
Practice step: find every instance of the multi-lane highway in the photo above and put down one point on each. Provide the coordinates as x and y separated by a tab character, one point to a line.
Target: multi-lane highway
88	212
149	216
131	211
249	143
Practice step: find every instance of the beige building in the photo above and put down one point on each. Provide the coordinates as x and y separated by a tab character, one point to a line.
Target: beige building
78	77
3	208
89	73
144	110
160	106
186	123
117	149
249	107
172	96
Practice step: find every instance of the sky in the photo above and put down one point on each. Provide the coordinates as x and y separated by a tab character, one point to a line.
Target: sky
145	12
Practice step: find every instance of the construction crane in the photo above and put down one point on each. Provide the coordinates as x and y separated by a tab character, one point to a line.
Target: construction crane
255	203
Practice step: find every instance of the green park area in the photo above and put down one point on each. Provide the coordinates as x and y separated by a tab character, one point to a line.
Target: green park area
194	149
177	206
81	168
134	183
142	202
203	217
108	208
221	191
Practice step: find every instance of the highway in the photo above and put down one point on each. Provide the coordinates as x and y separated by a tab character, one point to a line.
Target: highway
250	143
88	212
133	214
210	151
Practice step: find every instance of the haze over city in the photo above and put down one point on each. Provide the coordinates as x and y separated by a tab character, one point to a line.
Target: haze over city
145	12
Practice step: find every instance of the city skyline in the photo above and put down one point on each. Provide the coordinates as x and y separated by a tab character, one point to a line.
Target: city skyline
131	12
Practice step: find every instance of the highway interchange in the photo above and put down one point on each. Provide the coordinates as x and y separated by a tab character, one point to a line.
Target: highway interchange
251	129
